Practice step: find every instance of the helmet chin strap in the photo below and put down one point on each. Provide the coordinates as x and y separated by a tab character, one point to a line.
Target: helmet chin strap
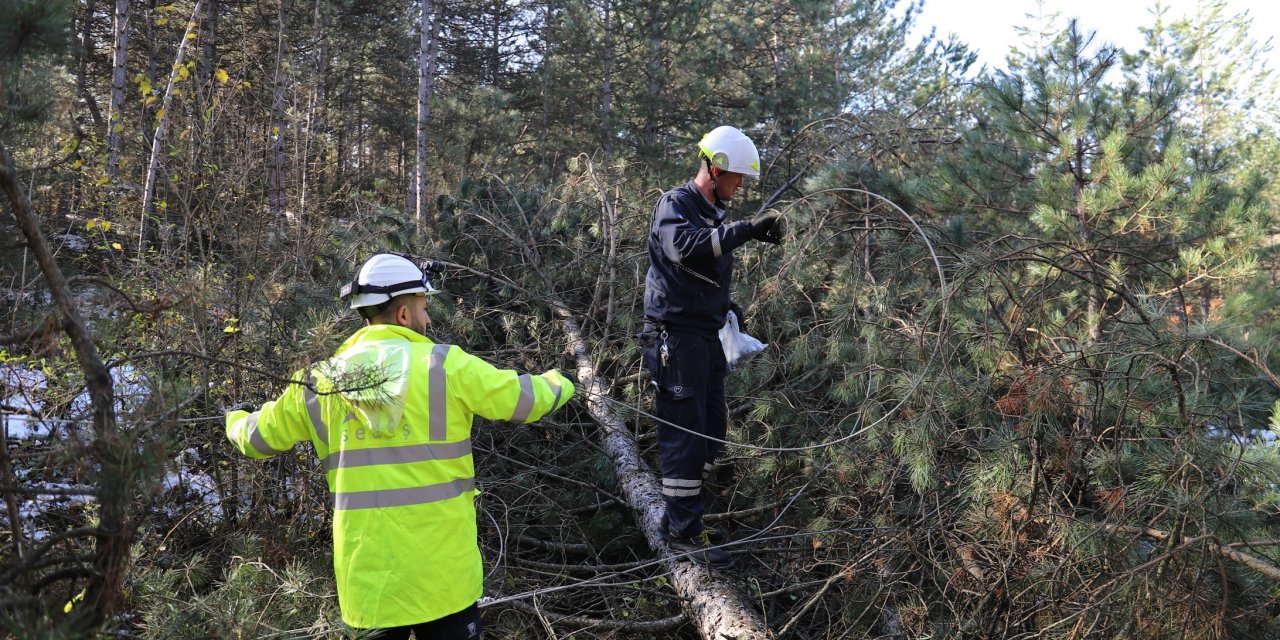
719	204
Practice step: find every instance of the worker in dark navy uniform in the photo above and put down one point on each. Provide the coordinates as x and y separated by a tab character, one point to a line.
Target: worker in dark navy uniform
686	300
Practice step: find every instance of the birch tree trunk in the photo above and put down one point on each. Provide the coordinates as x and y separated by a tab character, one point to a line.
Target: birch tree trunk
119	60
718	610
428	49
276	174
162	117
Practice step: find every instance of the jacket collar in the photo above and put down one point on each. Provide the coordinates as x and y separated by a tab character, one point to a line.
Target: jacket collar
708	212
379	332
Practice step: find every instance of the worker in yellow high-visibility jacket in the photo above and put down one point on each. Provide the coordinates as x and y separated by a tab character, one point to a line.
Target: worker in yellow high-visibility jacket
390	417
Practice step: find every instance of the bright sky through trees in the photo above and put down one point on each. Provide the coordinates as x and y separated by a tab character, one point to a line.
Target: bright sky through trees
990	27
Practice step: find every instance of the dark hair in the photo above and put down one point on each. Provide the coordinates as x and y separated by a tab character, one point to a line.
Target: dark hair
372	311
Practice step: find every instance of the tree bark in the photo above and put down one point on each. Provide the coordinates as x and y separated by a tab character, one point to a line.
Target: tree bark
606	98
119	60
548	30
718	610
427	51
111	557
86	45
657	19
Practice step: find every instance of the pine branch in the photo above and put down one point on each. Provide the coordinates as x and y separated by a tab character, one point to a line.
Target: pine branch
1260	565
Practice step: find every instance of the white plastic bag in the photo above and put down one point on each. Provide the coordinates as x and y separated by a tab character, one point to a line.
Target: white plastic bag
737	345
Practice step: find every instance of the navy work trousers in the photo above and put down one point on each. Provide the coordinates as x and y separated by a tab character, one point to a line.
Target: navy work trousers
690	393
463	625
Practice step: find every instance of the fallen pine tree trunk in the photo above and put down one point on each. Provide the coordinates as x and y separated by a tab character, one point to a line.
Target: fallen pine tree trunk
718	610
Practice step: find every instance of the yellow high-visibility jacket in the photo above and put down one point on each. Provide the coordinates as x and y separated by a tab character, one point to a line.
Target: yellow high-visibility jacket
390	417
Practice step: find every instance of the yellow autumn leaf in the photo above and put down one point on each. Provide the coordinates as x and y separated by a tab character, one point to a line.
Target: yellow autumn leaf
191	36
183	73
116	246
231	330
162	21
102	182
105	224
71	603
77	164
90	225
221	76
275	131
160	114
251	277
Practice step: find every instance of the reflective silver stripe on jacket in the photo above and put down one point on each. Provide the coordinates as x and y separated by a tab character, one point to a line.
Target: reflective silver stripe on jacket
678	488
525	404
312	401
715	241
556	388
348	458
255	437
438	394
383	498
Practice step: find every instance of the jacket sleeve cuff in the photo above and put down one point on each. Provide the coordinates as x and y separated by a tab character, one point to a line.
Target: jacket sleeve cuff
734	235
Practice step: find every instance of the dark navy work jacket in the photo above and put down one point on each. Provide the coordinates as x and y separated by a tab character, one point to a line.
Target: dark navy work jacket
690	262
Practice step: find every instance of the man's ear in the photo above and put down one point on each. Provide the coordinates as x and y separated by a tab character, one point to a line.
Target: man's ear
402	316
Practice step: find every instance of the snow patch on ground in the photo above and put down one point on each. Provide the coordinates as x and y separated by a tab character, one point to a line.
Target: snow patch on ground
187	478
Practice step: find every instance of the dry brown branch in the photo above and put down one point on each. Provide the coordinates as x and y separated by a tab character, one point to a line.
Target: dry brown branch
1260	565
632	626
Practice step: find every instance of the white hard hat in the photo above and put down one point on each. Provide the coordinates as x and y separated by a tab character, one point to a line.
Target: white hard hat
383	277
729	149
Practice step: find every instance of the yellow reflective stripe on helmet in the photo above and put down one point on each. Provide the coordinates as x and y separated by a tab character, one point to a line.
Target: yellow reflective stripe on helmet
255	437
525	404
405	497
438	398
312	401
348	458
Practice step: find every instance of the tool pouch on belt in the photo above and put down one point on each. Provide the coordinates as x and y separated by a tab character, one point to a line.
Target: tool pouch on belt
668	362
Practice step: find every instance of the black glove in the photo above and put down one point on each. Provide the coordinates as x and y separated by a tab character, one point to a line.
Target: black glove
243	406
768	227
742	316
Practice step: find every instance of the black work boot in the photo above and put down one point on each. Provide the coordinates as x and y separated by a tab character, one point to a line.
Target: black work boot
701	550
